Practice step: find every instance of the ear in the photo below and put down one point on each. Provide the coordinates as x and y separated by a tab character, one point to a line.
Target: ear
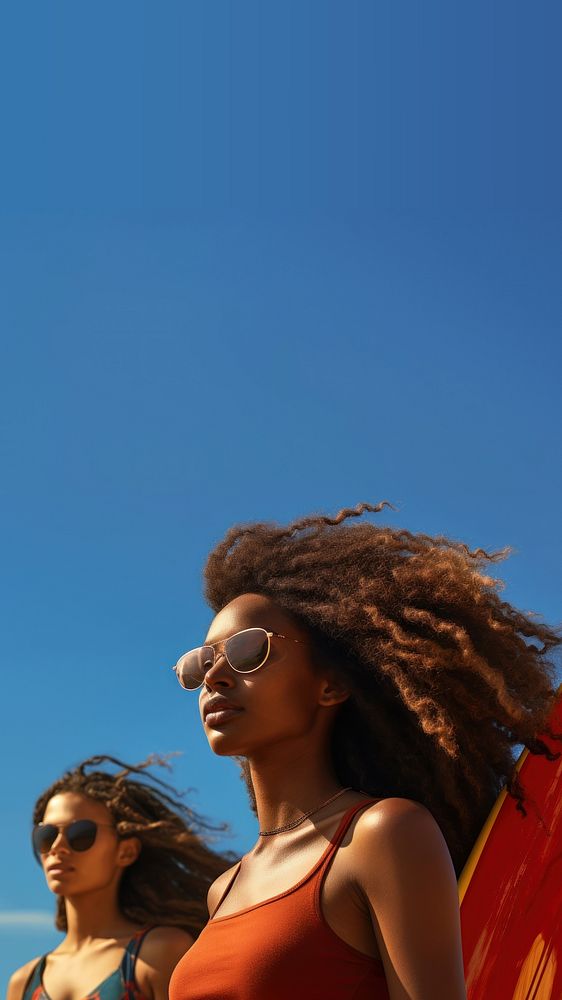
129	850
333	692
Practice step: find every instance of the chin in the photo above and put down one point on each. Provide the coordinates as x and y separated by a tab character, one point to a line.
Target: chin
57	887
223	748
225	745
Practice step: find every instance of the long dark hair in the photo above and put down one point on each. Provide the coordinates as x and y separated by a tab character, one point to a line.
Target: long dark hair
446	677
168	882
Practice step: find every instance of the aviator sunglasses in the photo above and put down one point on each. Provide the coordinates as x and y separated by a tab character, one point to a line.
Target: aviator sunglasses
80	835
244	651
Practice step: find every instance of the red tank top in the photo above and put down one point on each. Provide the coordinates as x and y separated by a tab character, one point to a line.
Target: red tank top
278	949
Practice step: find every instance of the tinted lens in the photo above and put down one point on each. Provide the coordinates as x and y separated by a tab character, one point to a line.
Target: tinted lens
81	834
193	666
43	837
247	650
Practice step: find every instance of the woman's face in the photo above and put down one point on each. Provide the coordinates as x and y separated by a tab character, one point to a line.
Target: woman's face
73	873
287	699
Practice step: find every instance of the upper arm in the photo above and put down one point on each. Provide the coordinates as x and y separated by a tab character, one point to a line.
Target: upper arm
18	981
411	889
159	954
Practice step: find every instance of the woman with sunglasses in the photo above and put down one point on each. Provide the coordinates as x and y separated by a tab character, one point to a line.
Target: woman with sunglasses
130	869
374	684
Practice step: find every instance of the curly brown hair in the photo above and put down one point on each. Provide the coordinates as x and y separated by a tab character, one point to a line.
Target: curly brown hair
168	882
445	677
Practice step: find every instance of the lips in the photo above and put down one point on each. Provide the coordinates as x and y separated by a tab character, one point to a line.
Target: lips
59	869
218	710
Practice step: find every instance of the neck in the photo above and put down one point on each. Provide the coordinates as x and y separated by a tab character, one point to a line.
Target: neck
95	915
296	781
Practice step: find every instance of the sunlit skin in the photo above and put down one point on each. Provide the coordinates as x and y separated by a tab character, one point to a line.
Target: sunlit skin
95	873
97	931
391	891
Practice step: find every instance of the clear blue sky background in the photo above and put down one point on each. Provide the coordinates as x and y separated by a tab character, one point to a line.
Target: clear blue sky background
257	259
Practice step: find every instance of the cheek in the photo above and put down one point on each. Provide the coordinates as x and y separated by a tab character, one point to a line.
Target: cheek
287	704
289	684
107	851
100	858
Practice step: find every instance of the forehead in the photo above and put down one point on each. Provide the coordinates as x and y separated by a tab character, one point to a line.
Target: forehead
69	806
251	611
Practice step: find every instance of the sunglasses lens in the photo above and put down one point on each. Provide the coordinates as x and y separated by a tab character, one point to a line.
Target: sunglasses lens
81	835
247	650
193	666
43	838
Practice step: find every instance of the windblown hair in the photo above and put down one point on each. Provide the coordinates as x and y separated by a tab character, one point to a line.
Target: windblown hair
445	677
168	882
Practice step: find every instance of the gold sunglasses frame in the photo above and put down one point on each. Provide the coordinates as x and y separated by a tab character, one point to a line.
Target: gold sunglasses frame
220	646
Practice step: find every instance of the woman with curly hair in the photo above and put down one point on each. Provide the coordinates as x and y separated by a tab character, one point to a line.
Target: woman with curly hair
130	868
373	685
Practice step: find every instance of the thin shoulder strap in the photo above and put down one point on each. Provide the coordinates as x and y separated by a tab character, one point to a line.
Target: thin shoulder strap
34	978
227	888
322	862
341	831
131	955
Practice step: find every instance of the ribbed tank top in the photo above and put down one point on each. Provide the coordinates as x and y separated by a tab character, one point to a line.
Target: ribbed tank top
280	948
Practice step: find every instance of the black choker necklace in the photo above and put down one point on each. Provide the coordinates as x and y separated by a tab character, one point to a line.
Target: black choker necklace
301	819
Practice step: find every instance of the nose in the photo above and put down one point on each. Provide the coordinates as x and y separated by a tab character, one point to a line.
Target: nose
58	844
219	675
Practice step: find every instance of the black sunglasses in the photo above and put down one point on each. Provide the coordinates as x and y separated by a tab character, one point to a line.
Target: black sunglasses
244	651
79	835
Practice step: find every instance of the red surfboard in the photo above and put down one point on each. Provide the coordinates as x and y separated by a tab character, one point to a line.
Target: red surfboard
511	889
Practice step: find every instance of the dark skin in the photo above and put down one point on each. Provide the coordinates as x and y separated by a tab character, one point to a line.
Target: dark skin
391	891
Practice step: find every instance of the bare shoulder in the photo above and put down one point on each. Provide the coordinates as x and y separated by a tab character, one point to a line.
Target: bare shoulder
404	835
164	945
386	819
18	980
401	865
219	886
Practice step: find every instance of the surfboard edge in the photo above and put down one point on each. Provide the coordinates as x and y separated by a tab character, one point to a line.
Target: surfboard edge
474	856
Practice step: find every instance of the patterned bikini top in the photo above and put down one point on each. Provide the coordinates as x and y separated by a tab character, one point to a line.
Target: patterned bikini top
119	985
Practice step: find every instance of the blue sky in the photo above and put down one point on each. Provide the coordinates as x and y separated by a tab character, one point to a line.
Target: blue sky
258	260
